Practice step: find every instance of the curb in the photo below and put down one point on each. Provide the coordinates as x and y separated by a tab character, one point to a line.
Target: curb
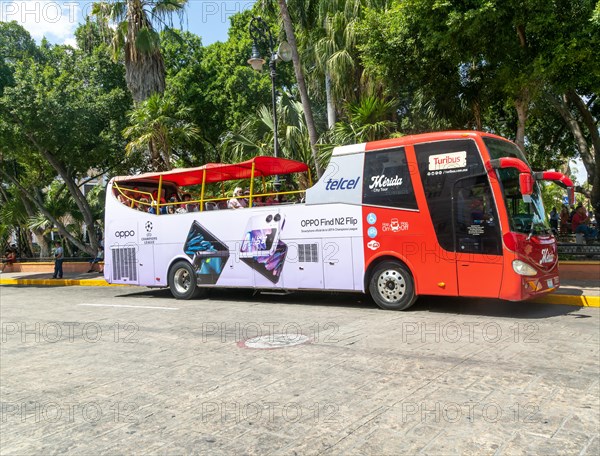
61	282
569	300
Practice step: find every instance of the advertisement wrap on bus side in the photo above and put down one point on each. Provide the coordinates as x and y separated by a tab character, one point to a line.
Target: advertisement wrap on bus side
246	248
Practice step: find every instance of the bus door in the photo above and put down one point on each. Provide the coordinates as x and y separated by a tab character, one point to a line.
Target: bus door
146	264
338	264
477	238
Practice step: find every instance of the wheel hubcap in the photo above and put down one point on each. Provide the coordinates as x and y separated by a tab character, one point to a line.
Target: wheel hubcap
182	280
391	286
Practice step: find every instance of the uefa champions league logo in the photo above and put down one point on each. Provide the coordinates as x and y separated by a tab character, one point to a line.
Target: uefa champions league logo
148	227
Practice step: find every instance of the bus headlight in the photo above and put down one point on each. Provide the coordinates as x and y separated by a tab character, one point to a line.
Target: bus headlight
522	268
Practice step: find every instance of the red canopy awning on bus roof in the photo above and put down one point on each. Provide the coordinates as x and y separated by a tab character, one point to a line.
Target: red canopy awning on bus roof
218	172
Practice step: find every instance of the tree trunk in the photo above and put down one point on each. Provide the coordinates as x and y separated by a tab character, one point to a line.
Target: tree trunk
591	125
522	107
477	115
310	123
330	103
584	152
42	242
37	232
155	158
590	158
594	159
74	190
81	202
92	250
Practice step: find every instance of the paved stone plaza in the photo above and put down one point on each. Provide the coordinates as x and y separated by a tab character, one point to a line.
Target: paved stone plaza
119	370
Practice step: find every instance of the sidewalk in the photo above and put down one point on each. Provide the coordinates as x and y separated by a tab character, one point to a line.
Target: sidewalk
581	293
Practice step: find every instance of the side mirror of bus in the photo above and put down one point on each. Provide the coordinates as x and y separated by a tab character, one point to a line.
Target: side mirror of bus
526	186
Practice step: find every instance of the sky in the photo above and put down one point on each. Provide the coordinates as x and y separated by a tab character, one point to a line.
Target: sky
57	20
209	19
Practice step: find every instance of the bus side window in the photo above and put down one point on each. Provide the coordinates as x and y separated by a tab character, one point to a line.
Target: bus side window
387	181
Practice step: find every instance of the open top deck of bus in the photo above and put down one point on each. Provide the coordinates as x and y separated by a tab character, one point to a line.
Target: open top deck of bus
210	173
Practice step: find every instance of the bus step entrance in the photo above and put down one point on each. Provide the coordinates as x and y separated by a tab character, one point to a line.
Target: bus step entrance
274	292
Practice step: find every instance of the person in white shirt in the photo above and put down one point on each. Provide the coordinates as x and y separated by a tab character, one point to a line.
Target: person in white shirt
237	202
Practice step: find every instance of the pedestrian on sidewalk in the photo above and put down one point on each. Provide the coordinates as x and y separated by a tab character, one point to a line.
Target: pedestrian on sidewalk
97	260
58	261
554	220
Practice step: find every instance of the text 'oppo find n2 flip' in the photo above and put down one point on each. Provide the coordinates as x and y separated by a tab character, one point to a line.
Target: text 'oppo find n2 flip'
209	255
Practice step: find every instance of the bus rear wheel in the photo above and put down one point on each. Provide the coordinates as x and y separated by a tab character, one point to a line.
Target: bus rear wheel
182	281
392	286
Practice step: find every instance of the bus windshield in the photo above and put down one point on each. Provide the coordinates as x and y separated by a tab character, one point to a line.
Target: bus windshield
524	217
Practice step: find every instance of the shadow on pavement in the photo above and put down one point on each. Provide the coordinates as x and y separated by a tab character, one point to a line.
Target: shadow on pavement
250	296
459	306
493	307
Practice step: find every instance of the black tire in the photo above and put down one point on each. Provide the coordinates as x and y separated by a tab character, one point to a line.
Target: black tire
182	281
392	286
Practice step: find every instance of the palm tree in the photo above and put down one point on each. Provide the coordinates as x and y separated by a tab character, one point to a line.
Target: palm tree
368	120
330	48
291	38
138	23
160	127
255	136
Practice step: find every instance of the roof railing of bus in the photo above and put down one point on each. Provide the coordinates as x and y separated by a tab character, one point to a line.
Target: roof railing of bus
151	202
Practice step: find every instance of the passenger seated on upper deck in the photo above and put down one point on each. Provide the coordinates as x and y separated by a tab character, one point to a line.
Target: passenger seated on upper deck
152	210
189	207
123	199
143	205
246	198
237	202
171	208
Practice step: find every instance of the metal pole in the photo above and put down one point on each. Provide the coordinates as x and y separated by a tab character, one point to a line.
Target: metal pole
272	63
260	32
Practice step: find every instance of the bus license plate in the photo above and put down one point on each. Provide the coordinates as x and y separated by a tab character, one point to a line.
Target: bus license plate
550	283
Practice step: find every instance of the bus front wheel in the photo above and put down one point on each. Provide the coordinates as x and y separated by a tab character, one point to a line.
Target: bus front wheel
182	281
392	286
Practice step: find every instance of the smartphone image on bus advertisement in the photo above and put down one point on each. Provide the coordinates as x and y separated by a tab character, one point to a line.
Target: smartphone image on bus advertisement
269	266
208	254
261	236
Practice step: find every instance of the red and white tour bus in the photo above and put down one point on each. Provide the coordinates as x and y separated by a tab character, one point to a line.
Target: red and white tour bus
450	214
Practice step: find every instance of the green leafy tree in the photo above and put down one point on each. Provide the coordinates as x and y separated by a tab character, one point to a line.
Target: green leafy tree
15	45
469	63
63	117
285	16
217	84
328	39
255	135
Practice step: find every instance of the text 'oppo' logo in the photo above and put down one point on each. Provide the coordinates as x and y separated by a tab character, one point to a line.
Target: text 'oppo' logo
124	234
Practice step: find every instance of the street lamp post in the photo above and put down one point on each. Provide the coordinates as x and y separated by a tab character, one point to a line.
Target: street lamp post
261	36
